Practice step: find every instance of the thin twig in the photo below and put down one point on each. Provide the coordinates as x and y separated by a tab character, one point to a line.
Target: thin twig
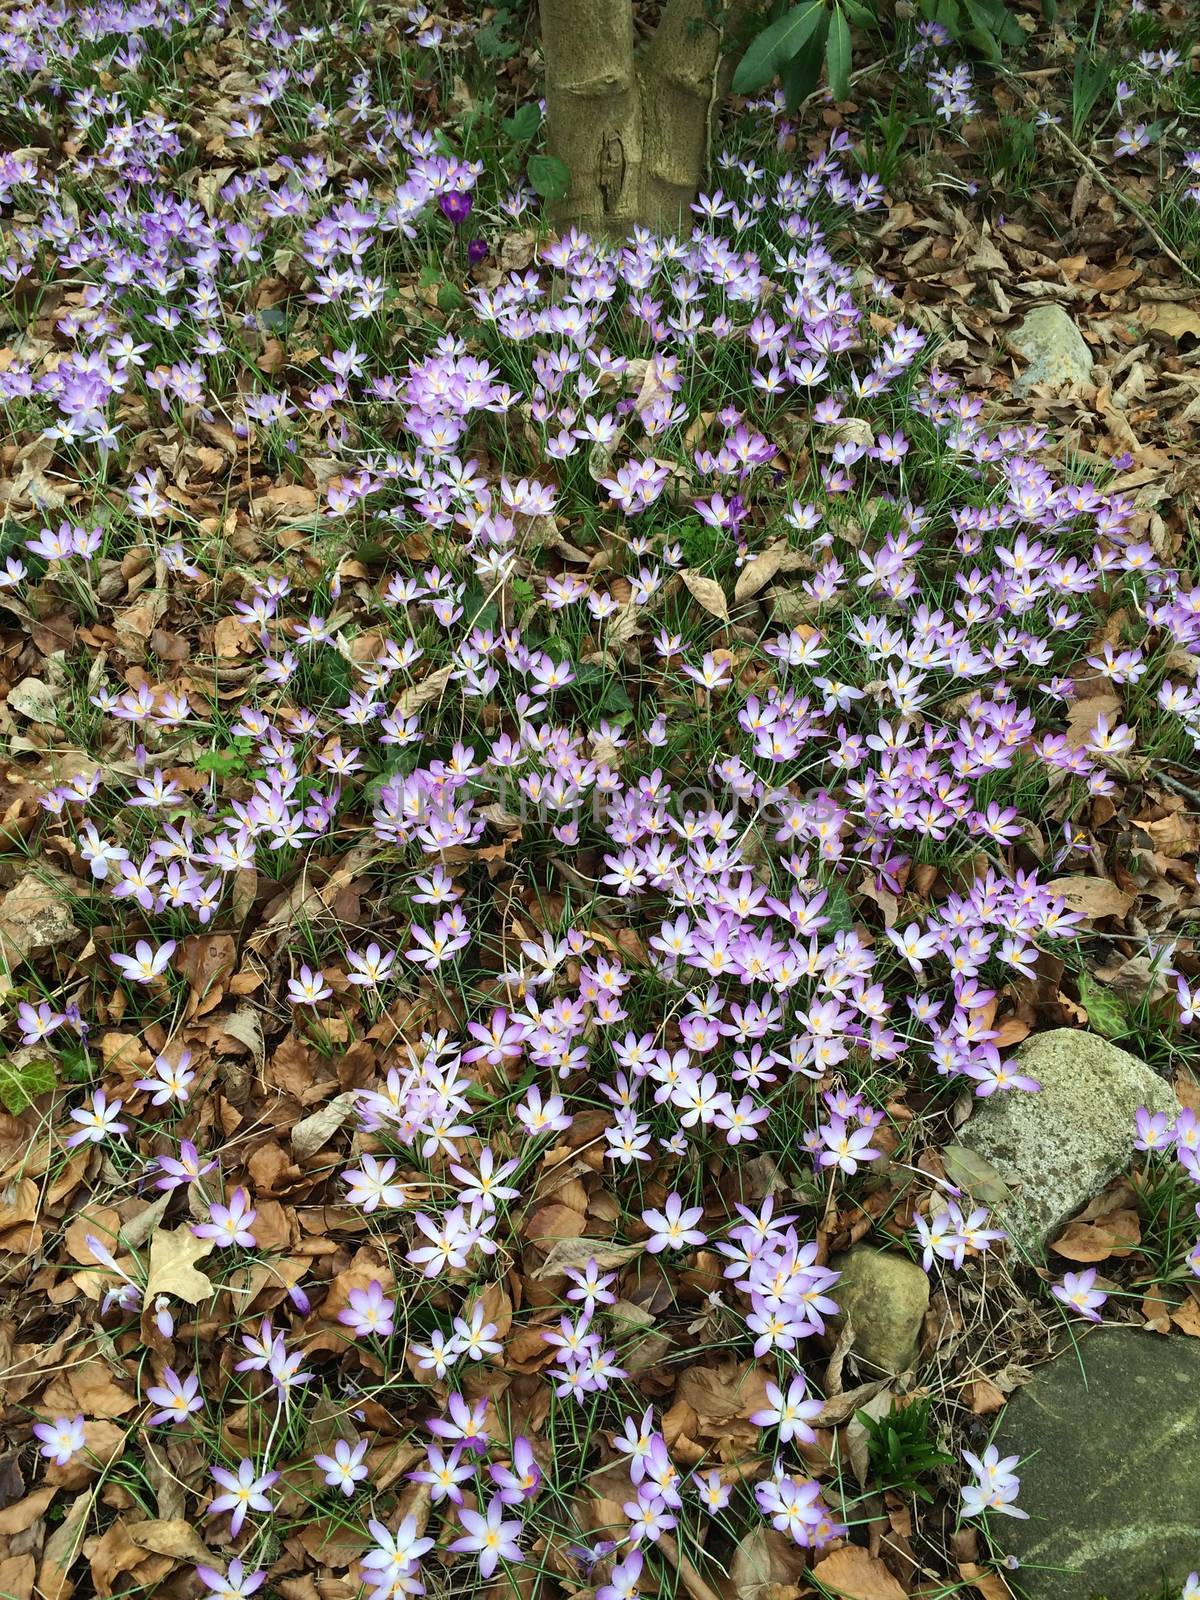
696	1586
1178	787
1106	183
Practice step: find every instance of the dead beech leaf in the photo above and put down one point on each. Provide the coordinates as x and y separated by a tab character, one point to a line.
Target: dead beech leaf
550	1223
1132	979
516	250
170	1537
750	1570
887	902
206	960
1186	1316
244	1026
972	1173
173	1256
719	1394
91	1388
34	699
1114	1235
708	592
624	624
991	1585
22	1514
17	1575
1157	1311
61	1549
31	486
34	914
1175	319
134	625
104	1443
840	1406
1010	1031
566	1253
847	430
114	1556
314	1133
307	892
984	1397
858	1575
1082	716
140	1226
767	564
233	638
648	375
420	694
1093	897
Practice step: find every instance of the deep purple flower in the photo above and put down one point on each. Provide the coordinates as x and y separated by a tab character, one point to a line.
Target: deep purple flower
456	205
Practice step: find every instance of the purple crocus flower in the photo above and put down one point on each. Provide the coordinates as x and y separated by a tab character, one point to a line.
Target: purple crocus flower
456	204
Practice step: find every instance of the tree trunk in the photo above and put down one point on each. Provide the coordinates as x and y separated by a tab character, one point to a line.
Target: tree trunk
634	136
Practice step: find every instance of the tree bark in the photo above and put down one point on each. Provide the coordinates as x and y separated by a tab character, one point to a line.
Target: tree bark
679	102
634	136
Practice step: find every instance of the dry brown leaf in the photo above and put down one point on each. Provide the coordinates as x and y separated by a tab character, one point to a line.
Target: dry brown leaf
104	1443
624	624
1186	1316
648	375
1116	1235
840	1406
1157	1311
30	486
1093	897
244	1026
314	1133
573	1253
114	1555
1010	1032
420	694
134	625
173	1270
972	1173
1134	978
708	592
767	564
206	961
24	1513
551	1223
172	1537
983	1397
17	1574
858	1575
233	638
91	1387
1174	319
62	1548
1083	715
750	1570
34	914
991	1585
766	1565
34	699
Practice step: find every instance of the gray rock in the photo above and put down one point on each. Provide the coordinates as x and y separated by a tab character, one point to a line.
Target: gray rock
1054	349
1055	1149
1109	1438
884	1296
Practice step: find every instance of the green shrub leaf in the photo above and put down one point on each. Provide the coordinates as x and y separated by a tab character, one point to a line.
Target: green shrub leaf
837	55
22	1081
777	45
